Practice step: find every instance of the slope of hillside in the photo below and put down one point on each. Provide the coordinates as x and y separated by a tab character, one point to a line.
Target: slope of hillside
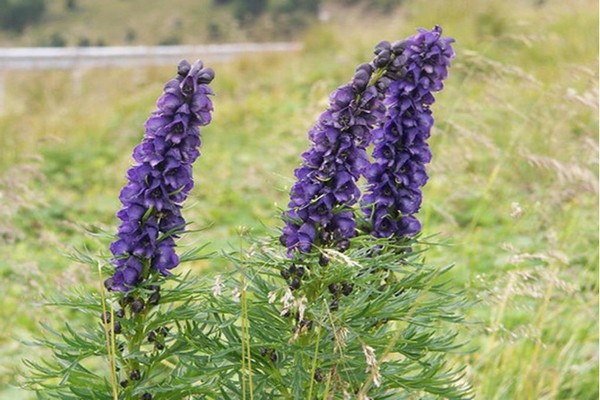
149	22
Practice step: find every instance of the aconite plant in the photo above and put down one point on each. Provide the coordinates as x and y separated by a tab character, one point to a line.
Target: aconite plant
337	304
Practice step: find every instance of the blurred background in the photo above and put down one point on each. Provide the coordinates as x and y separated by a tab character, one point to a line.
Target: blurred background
513	189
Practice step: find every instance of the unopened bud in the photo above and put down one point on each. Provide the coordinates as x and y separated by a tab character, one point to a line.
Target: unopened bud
206	76
137	306
183	68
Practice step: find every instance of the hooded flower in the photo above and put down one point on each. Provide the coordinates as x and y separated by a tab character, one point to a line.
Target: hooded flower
161	179
320	204
395	177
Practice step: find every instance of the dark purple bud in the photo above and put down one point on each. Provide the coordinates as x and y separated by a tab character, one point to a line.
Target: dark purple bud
124	383
295	284
273	356
285	274
206	76
135	375
333	288
108	284
323	260
146	396
360	80
292	270
383	84
106	317
382	59
283	240
368	68
347	288
300	271
159	346
318	376
120	313
343	245
137	306
393	75
154	298
151	336
325	237
399	46
382	46
183	68
334	306
117	327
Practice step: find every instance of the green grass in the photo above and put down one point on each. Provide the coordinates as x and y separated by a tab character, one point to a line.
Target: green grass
513	187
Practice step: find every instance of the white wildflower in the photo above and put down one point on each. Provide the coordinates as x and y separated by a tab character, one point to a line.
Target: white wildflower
372	365
341	257
287	300
300	304
272	296
340	335
217	287
515	210
235	293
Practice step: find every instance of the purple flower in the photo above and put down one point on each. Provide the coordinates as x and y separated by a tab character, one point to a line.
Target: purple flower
395	177
321	200
161	179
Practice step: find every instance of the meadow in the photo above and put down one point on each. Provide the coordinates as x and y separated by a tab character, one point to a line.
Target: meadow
512	195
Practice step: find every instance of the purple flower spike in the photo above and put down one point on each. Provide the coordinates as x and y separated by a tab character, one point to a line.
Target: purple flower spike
161	179
395	178
321	200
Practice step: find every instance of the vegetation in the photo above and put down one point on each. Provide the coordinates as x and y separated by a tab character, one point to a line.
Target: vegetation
17	14
513	186
190	22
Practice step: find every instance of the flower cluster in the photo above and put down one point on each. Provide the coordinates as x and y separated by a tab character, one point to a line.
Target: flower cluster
161	179
321	199
400	150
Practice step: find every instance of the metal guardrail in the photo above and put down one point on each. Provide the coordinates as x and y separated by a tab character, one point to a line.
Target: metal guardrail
29	58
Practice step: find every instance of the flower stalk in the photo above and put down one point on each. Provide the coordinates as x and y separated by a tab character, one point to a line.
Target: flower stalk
320	208
394	180
161	180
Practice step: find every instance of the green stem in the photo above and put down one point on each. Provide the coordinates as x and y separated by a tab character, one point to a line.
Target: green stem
147	214
110	340
284	391
313	368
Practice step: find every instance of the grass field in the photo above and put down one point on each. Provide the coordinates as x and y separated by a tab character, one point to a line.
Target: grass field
513	187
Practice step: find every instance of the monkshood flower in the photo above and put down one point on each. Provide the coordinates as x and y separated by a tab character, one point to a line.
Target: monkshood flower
161	179
321	199
395	177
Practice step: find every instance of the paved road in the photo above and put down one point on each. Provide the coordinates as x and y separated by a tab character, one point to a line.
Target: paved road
27	58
